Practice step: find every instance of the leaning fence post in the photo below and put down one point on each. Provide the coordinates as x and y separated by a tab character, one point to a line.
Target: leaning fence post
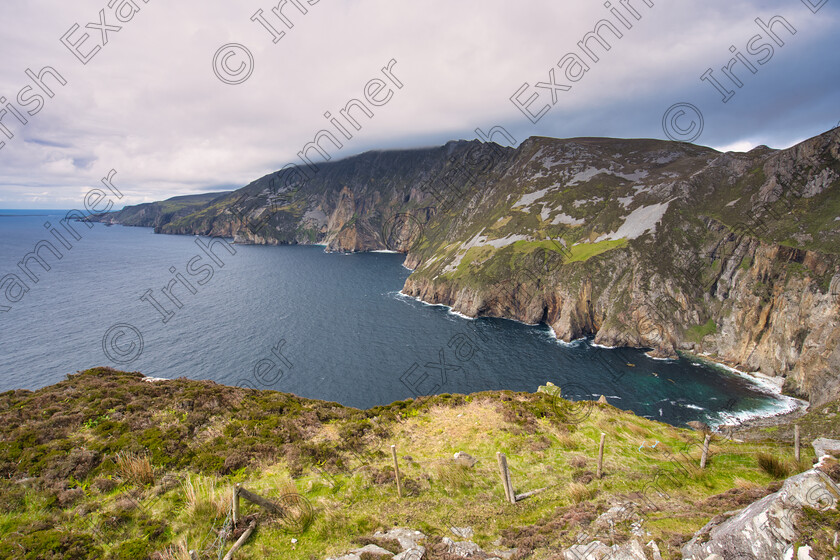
236	503
396	470
705	451
502	468
505	474
601	455
796	441
509	481
502	474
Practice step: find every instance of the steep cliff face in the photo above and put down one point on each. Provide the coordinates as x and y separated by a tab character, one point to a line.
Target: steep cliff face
643	243
776	318
662	246
347	205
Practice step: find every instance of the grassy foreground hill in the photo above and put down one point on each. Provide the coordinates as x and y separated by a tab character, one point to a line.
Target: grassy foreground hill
109	464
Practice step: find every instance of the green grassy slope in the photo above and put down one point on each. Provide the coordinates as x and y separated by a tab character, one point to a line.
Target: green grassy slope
64	490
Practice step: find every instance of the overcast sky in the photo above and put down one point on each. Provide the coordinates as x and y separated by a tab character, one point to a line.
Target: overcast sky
149	104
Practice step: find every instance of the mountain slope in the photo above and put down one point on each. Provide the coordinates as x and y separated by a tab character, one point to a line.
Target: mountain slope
153	214
636	242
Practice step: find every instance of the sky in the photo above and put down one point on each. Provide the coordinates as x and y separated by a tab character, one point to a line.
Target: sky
188	97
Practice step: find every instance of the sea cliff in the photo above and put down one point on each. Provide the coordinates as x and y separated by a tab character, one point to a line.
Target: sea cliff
638	242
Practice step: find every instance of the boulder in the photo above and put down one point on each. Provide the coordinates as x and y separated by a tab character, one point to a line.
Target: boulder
373	550
824	446
617	514
411	554
465	459
408	539
462	532
765	530
504	554
606	522
370	549
699	426
597	550
462	549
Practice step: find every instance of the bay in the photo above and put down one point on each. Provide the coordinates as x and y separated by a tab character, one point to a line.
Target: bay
296	319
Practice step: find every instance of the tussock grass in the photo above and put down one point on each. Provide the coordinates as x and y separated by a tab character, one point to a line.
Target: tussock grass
579	492
744	484
204	497
454	476
179	551
567	441
136	468
773	466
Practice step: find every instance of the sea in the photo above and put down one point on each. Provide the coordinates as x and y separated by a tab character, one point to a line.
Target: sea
297	319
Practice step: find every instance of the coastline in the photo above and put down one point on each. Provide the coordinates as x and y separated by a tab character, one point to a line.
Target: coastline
789	407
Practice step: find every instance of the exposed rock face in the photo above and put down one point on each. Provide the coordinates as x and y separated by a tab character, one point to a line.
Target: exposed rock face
713	273
766	530
597	550
641	243
825	446
408	540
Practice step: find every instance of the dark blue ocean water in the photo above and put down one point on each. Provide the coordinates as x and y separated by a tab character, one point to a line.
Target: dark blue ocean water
296	319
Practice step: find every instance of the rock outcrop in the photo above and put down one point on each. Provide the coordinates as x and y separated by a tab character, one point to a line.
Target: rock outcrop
409	541
825	446
597	550
766	530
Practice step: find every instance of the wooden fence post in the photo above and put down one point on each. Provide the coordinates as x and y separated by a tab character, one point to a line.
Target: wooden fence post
238	544
236	504
509	481
601	455
397	470
796	441
505	474
705	451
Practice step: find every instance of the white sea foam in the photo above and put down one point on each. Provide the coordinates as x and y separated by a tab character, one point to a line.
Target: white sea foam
461	315
417	299
449	309
781	404
661	359
571	344
784	405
